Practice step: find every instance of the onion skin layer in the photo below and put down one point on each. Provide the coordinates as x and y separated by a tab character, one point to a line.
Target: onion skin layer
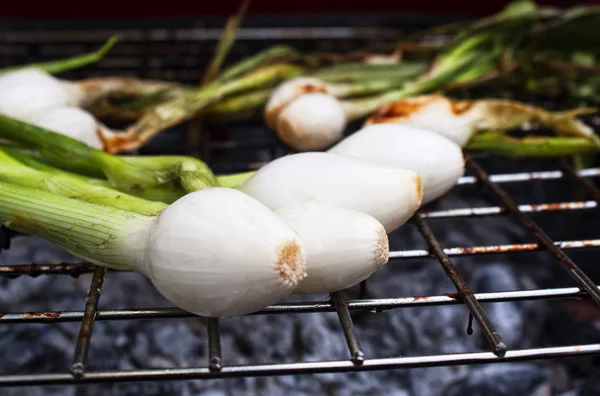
343	247
438	160
388	194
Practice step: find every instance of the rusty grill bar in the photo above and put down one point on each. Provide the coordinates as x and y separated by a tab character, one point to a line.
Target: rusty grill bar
216	366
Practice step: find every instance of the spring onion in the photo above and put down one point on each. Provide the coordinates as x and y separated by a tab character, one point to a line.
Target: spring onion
460	120
390	195
34	95
62	183
192	174
343	247
438	160
215	252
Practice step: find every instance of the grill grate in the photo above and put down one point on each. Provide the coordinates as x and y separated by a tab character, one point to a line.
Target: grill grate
219	153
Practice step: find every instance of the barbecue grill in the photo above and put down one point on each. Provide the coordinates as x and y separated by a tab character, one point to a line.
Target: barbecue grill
178	50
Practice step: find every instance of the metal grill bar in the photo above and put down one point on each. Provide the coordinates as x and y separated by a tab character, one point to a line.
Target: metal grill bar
356	353
375	305
75	270
497	249
528	176
306	367
87	324
215	361
497	210
464	293
580	277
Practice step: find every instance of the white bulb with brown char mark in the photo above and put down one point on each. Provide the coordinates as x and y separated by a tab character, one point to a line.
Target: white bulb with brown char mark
312	122
218	252
305	114
287	92
343	247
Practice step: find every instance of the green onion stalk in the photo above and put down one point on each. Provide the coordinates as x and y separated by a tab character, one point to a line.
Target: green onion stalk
190	103
89	174
225	43
123	173
96	233
73	186
270	55
354	72
498	143
471	56
63	65
358	81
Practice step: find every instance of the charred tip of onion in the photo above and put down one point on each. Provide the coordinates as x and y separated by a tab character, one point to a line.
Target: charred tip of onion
291	263
418	190
288	92
313	121
382	251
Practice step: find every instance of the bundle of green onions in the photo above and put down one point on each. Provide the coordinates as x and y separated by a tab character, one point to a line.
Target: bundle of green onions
214	250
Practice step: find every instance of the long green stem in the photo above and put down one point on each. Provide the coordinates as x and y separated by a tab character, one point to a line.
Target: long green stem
32	158
61	183
261	58
236	108
352	72
187	105
225	43
118	172
98	234
63	65
366	87
359	108
531	146
193	174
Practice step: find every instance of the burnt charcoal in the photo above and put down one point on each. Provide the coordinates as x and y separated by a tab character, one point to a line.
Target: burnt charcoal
503	380
589	387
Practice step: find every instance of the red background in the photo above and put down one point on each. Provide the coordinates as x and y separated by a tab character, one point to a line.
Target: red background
190	8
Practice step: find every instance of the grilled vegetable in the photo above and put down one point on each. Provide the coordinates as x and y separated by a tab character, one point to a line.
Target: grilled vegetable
460	120
128	175
343	247
215	252
438	161
388	194
69	185
35	96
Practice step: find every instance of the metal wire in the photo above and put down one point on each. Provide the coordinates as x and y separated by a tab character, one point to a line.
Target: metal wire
216	366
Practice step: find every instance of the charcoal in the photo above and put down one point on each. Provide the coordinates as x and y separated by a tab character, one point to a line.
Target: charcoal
501	380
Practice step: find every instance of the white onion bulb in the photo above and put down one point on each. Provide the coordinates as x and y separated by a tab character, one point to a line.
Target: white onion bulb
312	122
218	252
26	76
388	194
343	247
456	121
73	122
287	92
305	114
438	160
23	102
